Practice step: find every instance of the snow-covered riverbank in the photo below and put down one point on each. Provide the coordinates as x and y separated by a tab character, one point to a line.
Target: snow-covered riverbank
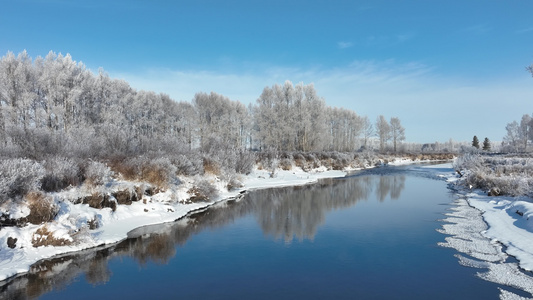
487	230
115	225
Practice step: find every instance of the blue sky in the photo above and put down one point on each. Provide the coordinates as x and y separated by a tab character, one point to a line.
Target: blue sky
447	69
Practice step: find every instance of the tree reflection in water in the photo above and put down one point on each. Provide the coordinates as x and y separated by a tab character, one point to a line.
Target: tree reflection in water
282	213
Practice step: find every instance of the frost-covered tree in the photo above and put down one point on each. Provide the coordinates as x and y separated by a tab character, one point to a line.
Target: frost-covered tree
368	130
513	135
221	118
290	117
519	134
475	142
397	131
486	144
345	127
526	132
383	131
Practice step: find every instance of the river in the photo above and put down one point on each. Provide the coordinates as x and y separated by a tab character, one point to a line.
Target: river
371	235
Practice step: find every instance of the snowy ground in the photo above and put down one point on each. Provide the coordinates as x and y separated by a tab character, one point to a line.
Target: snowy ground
509	230
494	234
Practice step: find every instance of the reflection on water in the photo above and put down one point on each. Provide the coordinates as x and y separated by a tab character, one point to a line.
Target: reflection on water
285	213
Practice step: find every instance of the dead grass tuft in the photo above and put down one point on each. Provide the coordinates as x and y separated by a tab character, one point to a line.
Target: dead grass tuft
42	208
44	237
211	166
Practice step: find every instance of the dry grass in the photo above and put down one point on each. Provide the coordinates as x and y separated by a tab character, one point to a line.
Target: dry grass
93	223
42	208
211	166
155	176
44	237
285	164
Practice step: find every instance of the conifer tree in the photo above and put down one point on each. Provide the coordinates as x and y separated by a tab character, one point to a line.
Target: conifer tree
475	142
486	144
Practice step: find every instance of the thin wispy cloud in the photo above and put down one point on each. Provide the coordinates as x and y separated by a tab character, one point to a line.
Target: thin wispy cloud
344	45
525	30
412	91
404	37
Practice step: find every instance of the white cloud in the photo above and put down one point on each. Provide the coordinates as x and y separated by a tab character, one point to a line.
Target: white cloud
344	45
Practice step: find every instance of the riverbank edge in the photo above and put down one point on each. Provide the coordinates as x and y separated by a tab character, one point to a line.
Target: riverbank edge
20	263
507	220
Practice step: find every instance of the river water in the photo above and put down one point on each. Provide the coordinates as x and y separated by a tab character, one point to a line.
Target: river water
367	236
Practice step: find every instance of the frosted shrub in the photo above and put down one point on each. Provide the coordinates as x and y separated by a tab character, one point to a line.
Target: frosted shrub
187	165
299	160
245	162
61	172
18	177
159	171
97	173
202	190
233	183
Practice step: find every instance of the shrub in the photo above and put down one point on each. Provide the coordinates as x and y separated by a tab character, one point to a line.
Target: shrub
202	190
211	166
159	171
245	162
18	177
42	208
61	172
97	173
129	168
233	183
188	165
285	164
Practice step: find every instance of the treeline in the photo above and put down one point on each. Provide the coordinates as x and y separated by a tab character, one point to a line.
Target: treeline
54	105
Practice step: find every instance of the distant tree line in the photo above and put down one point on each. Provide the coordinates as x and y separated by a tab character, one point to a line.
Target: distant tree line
55	106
